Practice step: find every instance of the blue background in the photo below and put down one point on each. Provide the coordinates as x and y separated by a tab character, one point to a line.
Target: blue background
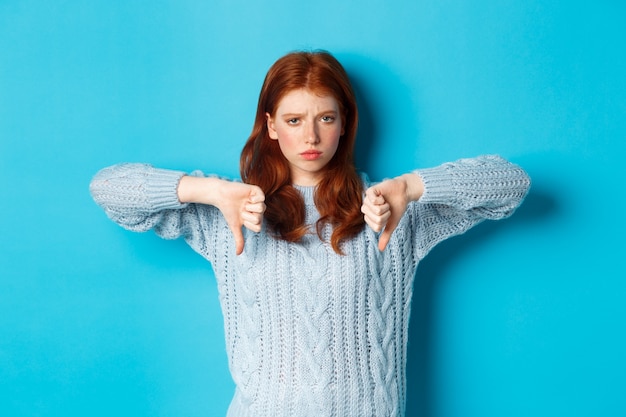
523	317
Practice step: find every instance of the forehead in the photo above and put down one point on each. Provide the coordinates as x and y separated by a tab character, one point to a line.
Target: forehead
302	100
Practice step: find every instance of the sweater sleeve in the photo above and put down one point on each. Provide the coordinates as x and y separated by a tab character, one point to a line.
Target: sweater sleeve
140	197
461	194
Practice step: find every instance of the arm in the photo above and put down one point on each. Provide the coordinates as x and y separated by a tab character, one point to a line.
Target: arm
458	194
242	205
140	197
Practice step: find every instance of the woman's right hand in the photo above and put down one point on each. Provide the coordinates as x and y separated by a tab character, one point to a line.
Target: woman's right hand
242	205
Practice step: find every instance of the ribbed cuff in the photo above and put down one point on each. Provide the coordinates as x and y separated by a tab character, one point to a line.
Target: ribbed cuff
162	189
437	185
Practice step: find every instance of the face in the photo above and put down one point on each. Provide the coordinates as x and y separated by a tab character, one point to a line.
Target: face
307	127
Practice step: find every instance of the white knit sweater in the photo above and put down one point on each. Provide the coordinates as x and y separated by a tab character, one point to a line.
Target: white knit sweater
310	332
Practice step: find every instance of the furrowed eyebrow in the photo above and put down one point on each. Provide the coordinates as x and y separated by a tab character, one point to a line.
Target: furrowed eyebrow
330	111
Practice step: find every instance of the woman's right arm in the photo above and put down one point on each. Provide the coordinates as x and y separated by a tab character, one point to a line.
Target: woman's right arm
140	197
242	205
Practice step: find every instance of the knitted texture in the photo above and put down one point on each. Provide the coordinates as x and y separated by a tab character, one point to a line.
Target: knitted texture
310	332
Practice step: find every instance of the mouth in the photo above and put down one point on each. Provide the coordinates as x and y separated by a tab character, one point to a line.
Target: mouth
311	155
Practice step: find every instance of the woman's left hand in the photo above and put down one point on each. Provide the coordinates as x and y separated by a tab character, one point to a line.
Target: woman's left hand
385	203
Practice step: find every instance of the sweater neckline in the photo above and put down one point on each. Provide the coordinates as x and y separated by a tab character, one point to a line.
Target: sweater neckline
308	193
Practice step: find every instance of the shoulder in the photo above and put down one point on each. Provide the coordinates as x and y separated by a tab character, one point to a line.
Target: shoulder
365	180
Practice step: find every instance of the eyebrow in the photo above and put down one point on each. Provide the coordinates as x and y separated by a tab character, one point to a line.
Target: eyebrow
330	111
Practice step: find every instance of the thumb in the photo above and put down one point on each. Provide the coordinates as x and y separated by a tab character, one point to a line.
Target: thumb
383	239
238	236
385	235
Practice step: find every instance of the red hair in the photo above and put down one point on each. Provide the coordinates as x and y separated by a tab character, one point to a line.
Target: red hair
339	193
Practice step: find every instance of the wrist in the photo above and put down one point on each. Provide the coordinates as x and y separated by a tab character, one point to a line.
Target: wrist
414	186
197	189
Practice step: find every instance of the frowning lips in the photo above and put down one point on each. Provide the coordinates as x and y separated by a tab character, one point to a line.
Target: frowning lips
311	154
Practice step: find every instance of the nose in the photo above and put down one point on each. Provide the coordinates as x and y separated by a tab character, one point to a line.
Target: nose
312	136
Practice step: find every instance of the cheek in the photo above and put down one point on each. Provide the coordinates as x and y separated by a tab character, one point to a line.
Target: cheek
286	140
288	136
334	136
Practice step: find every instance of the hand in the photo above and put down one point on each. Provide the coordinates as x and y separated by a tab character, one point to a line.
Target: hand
242	205
385	203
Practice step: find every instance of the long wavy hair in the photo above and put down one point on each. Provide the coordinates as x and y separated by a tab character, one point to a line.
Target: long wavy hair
338	195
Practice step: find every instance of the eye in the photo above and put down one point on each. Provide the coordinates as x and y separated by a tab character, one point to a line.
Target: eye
293	121
328	119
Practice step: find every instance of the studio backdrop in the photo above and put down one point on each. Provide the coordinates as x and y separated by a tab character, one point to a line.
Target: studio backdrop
523	317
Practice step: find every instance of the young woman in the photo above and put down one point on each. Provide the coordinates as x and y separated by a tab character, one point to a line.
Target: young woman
314	265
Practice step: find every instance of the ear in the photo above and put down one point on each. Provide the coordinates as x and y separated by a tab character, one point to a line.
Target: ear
270	127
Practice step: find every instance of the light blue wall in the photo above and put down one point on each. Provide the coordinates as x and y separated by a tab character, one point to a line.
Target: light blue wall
523	317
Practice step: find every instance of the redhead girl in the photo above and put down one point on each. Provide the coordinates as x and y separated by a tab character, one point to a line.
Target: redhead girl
314	264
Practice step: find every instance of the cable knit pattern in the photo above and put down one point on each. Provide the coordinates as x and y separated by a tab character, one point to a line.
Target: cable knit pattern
309	332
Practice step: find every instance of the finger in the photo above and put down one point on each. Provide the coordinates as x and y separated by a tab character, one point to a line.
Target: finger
256	195
374	196
377	210
379	219
380	211
252	221
375	226
253	227
377	222
249	217
255	207
374	199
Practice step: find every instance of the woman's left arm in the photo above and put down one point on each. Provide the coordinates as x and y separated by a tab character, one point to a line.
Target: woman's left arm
486	187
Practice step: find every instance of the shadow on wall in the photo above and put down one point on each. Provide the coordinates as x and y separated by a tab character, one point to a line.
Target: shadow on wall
380	95
538	205
374	97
